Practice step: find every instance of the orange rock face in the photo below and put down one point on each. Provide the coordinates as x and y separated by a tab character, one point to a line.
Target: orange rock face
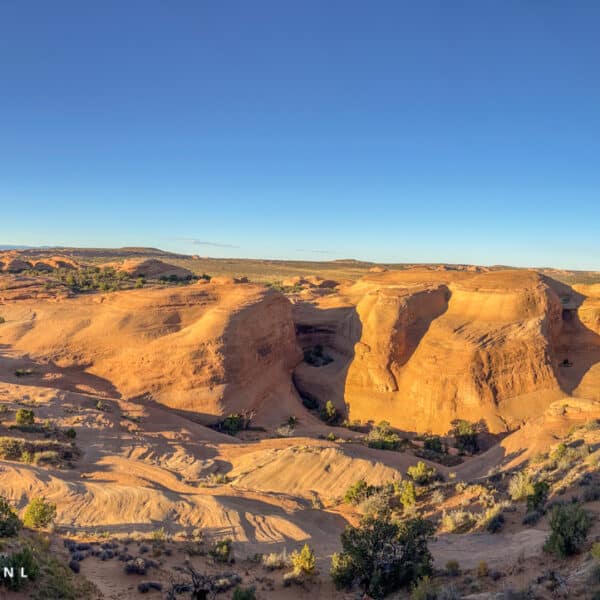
437	346
208	350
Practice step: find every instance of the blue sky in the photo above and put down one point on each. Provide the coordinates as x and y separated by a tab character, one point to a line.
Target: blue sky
388	131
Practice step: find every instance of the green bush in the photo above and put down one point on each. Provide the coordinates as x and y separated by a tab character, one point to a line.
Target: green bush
520	486
433	443
383	437
304	562
39	514
496	523
236	422
537	499
408	494
466	435
11	448
9	521
243	594
452	568
424	589
358	492
25	416
222	551
71	433
421	473
21	559
329	413
383	556
569	525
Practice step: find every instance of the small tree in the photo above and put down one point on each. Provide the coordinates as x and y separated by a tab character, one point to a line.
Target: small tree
537	499
329	413
408	494
9	521
433	443
358	492
383	556
466	435
569	525
25	416
304	562
421	473
39	514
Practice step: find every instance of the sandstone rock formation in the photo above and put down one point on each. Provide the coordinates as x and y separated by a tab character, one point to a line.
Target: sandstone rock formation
153	268
208	350
434	346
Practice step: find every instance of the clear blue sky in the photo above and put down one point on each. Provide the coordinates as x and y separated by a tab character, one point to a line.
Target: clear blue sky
314	129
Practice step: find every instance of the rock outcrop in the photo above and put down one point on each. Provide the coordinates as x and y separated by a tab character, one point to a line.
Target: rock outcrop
153	268
435	346
204	349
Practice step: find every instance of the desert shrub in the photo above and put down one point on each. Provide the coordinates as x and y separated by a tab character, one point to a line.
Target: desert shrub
233	423
159	536
285	431
452	568
424	589
329	413
20	559
39	514
433	443
309	401
592	493
421	473
520	486
458	521
304	562
70	433
559	452
595	551
377	505
382	556
449	592
383	437
25	416
23	372
466	435
495	524
331	437
275	560
243	594
482	569
2	320
103	406
9	521
353	425
408	494
46	457
537	499
222	551
569	525
437	497
531	517
11	448
358	492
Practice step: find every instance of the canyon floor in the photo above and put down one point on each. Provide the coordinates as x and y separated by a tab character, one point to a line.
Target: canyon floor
146	365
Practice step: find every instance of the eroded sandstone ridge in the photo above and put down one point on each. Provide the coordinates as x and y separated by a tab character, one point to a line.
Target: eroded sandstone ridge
207	349
433	346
